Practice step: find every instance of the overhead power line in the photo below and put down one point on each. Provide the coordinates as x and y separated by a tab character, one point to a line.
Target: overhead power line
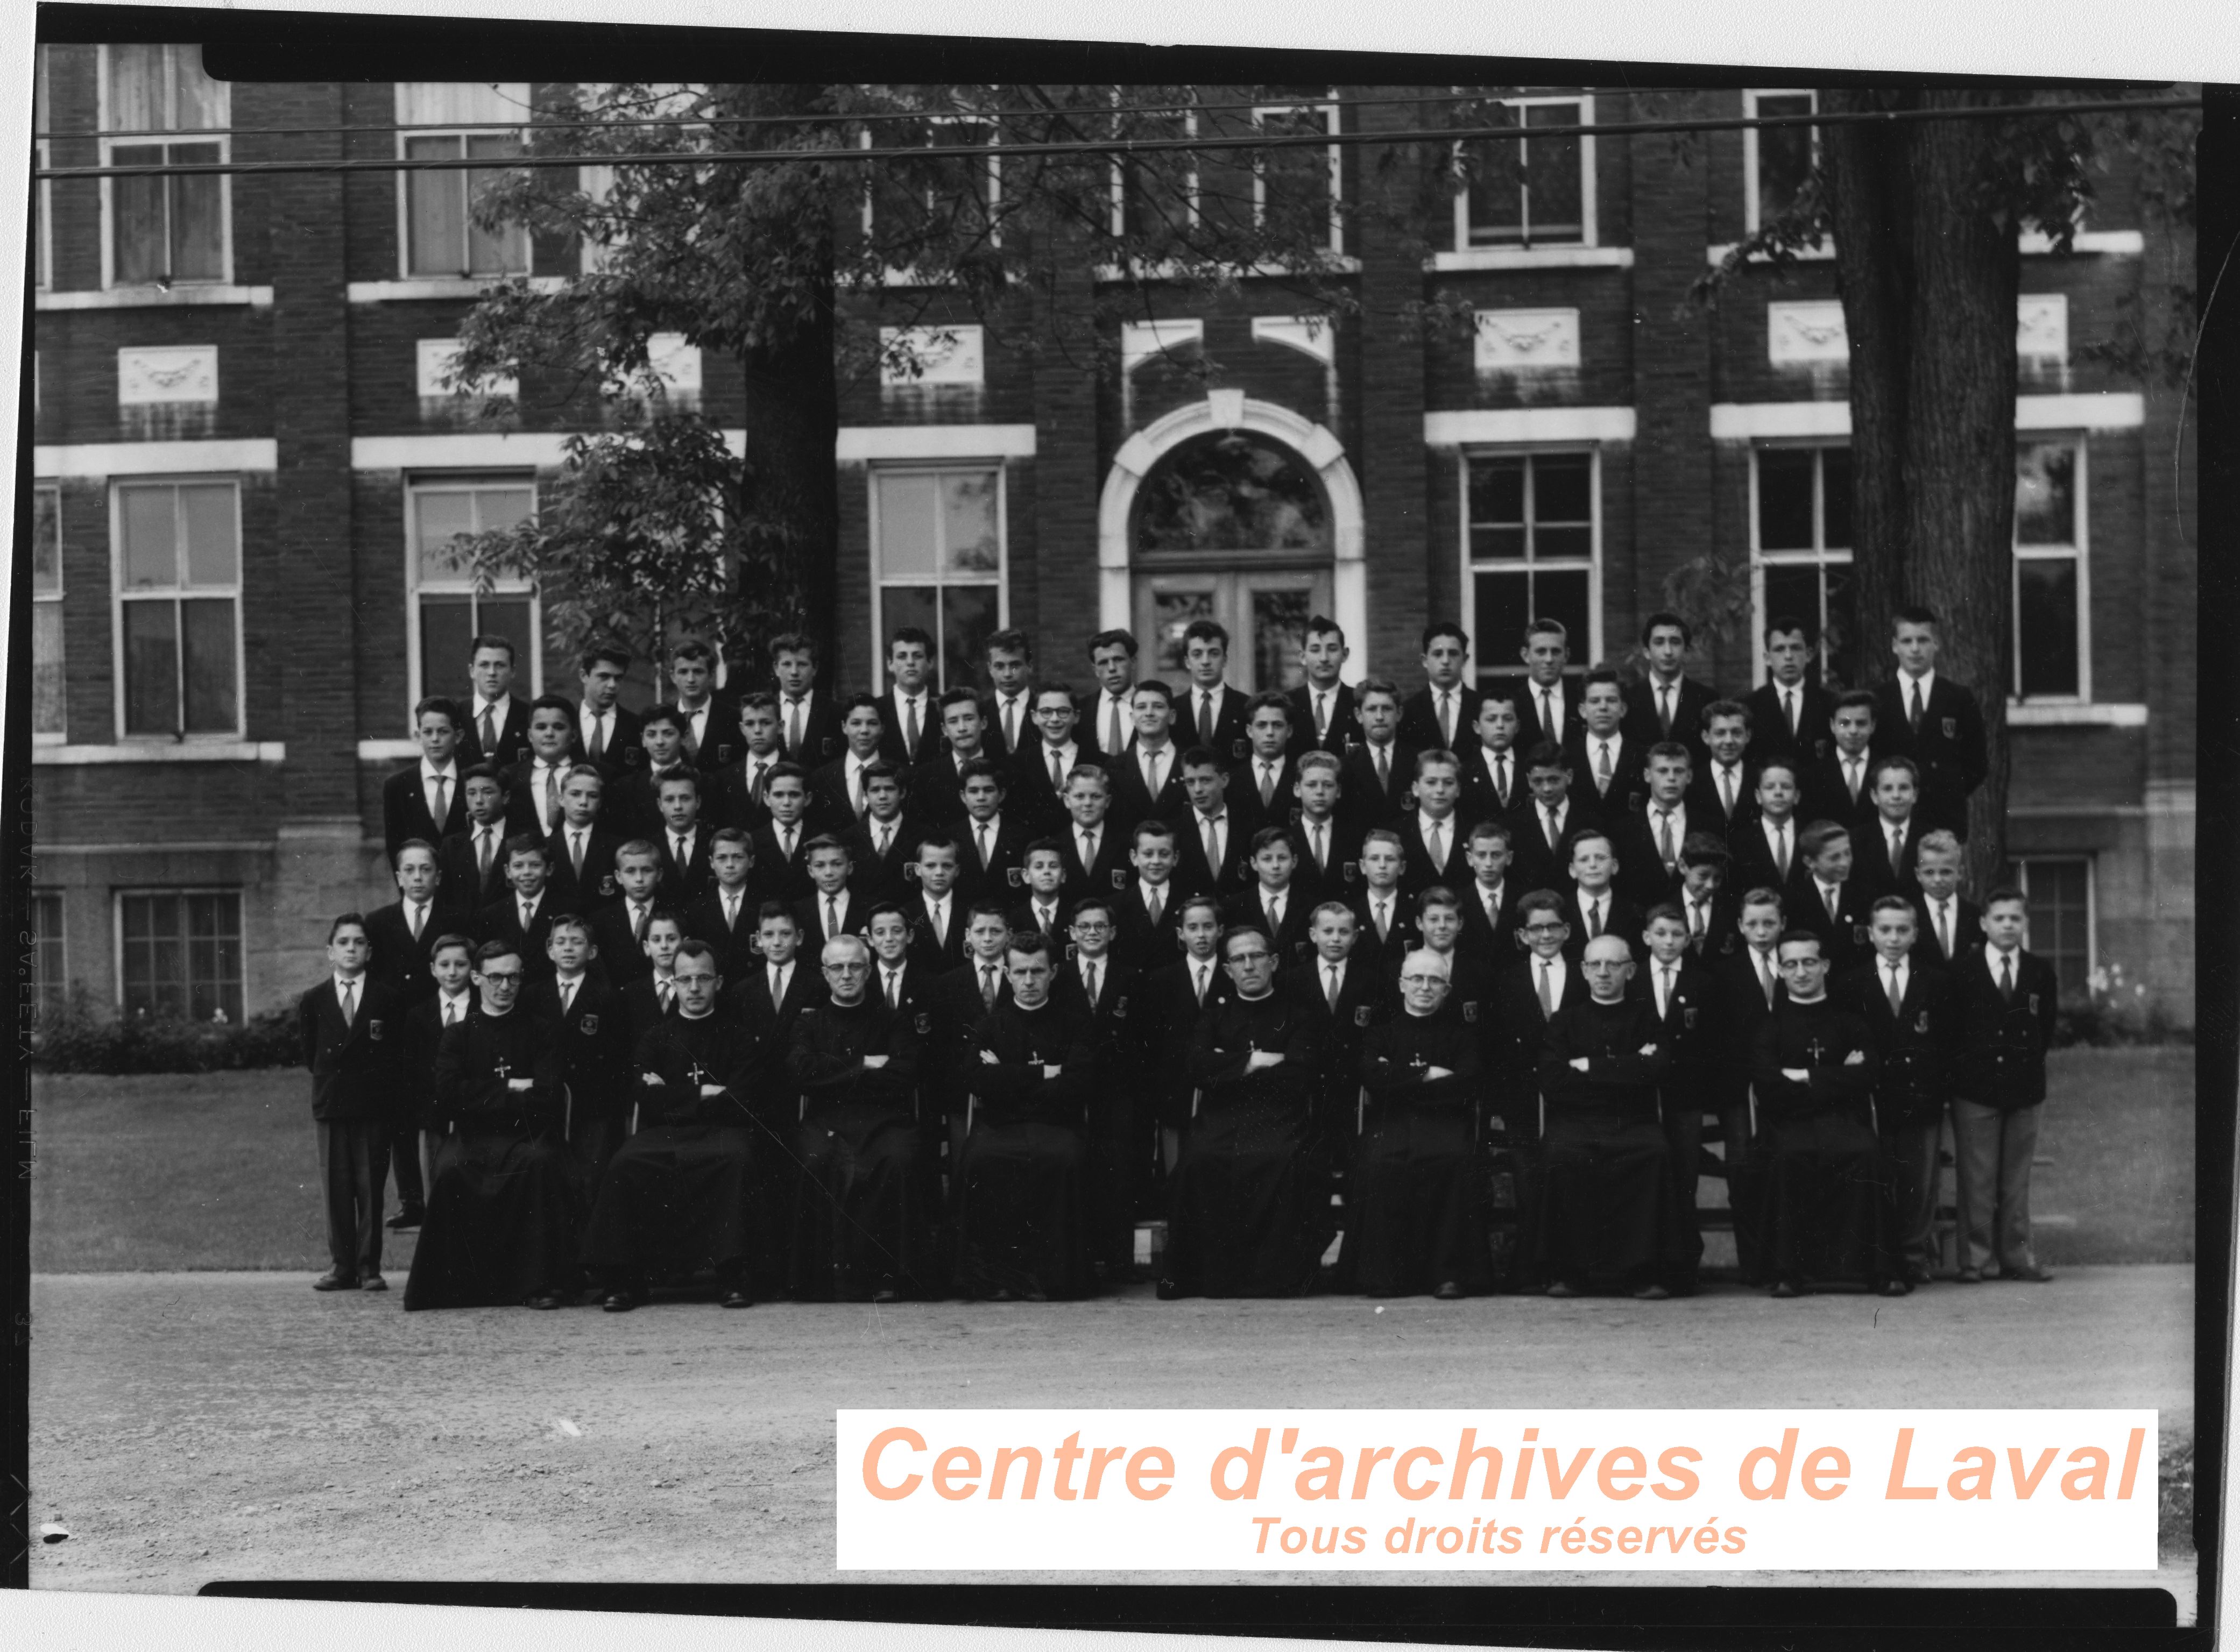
1113	147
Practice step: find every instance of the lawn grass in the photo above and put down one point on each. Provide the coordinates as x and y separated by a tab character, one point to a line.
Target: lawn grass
220	1170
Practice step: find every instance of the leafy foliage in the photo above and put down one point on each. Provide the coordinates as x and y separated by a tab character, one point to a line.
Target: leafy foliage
76	1038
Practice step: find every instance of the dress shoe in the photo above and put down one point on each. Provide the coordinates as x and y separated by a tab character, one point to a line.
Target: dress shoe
1894	1288
1449	1292
373	1281
1167	1290
619	1301
545	1301
410	1217
334	1281
2028	1276
736	1297
1969	1276
1788	1287
1919	1275
1652	1293
1561	1291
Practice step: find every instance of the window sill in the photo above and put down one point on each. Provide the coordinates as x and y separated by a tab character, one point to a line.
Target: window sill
2122	243
185	296
165	751
386	750
1818	252
1534	258
421	287
1336	264
2074	713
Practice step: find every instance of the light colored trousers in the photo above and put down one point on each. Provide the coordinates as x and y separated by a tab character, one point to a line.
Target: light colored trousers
1994	1149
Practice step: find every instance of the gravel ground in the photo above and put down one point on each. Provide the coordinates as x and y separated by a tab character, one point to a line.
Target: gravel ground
194	1426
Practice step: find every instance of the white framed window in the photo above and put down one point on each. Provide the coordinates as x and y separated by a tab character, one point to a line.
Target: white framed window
179	953
446	611
177	599
1146	204
2053	608
940	197
436	232
50	963
1531	550
49	721
1801	552
1777	160
2062	929
1527	192
939	559
164	230
1300	184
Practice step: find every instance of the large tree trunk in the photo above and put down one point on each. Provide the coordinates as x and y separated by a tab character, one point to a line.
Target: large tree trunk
1929	268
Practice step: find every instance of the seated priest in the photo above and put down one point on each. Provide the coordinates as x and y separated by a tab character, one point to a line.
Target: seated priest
1608	1216
675	1196
501	1226
1415	1217
1814	1064
1246	1214
1020	1188
864	1208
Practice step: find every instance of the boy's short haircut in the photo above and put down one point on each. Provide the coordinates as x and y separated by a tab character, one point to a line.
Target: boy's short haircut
1912	769
1438	629
1579	835
1190	904
1546	754
987	909
1763	896
862	697
1667	909
729	834
1153	827
1200	757
1854	699
559	703
1892	903
881	769
1270	835
915	633
1672	750
589	769
1436	759
1490	829
979	769
685	772
490	951
1597	678
1439	895
693	648
1323	625
1043	691
489	639
1665	616
1152	685
958	696
1816	837
1090	771
1704	849
1206	630
465	944
1089	903
1330	908
776	911
759	700
571	920
1369	685
885	909
1913	614
1011	640
1506	690
661	713
347	921
1267	701
1782	623
935	841
442	702
665	915
1116	638
784	771
612	653
2006	892
1787	765
1543	627
821	841
523	843
793	642
1381	835
1042	846
1728	708
411	843
1319	759
644	846
489	771
1540	901
1939	842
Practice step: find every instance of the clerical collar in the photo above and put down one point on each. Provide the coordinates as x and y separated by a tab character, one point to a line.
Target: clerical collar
1245	997
1822	999
496	1014
683	1014
1030	1009
1423	1015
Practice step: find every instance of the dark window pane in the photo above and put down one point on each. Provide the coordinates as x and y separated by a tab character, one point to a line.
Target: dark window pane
136	206
154	955
1232	491
1155	190
1562	488
47	714
1505	607
435	211
1793	592
2045	494
1553	205
151	530
213	544
1296	182
968	539
1839	641
1496	191
1835	498
1563	596
901	605
48	984
968	620
447	624
1784	499
46	542
211	702
1558	545
1497	491
2060	922
1785	156
197	208
151	667
508	617
1487	544
1279	632
2045	604
505	250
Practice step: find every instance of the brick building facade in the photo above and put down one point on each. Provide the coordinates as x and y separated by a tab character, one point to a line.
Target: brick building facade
245	448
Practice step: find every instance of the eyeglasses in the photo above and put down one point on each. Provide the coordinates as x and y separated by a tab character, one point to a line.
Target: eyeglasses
1546	929
1091	926
508	978
846	969
1249	957
1422	980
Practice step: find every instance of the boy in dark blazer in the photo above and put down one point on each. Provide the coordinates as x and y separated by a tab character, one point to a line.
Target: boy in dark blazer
1345	998
1747	988
1324	714
402	935
451	962
1597	908
1547	706
1009	707
1542	824
1261	789
1600	745
1147	913
936	782
1047	759
618	929
1209	713
596	1056
522	918
1432	833
470	863
1490	898
707	716
781	867
1649	840
1951	924
1147	779
352	1037
1329	845
496	728
991	841
684	838
1175	994
1825	898
937	915
1677	985
1206	782
1522	1007
1927	717
1764	846
1384	913
1379	771
736	791
2007	1000
1884	846
1438	717
1087	830
606	731
881	843
1667	703
723	915
633	806
1272	905
808	721
1123	1133
1723	791
1840	785
834	787
1789	711
582	847
1493	768
407	795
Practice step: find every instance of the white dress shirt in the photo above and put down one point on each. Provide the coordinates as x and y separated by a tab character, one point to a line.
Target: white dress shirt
449	774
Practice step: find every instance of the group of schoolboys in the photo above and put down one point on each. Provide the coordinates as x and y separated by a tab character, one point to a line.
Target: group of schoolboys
1503	831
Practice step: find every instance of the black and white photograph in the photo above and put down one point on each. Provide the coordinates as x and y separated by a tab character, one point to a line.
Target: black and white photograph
704	737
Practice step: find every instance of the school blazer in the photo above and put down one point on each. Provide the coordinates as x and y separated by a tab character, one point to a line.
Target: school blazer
595	1047
1690	1024
399	962
622	956
1366	998
933	788
500	921
1405	933
829	806
821	738
1481	798
874	877
464	889
720	742
1133	802
1705	805
1628	784
1418	874
1112	874
355	1068
1193	872
773	876
1290	939
1027	787
1492	940
1339	873
1529	730
991	718
1844	940
1620	917
1770	734
2003	1044
1917	1045
1419	719
1641	873
931	954
680	885
1117	1013
585	893
1344	720
930	740
623	749
1365	803
1513	1049
1230	713
1871	857
1243	796
525	808
512	740
997	880
1967	930
1640	721
404	809
735	948
1949	747
1135	940
772	1025
1824	796
733	801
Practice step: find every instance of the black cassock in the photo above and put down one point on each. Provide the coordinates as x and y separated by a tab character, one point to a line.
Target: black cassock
1607	1218
675	1196
1246	1214
1828	1188
502	1216
1415	1205
863	1211
1021	1185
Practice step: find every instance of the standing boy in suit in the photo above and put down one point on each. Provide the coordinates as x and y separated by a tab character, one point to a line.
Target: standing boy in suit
1146	914
633	807
351	1037
1431	833
1489	901
534	802
1378	772
402	938
606	732
497	729
1046	760
1678	985
1764	844
1607	770
1789	711
1721	796
1214	714
1108	717
471	862
937	781
991	841
1669	704
737	792
684	839
1889	843
1382	918
1329	846
1272	905
1933	720
782	871
522	917
879	845
721	917
426	801
1951	924
1008	708
1122	1135
706	715
1210	849
1826	899
1493	778
1148	783
1095	851
937	920
618	929
908	704
835	791
808	724
1649	842
595	1059
1438	716
1598	909
1541	711
582	848
2008	998
1840	786
1260	792
1324	714
1542	823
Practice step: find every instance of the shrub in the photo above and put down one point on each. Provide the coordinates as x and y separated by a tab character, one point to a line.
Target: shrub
75	1039
2116	1011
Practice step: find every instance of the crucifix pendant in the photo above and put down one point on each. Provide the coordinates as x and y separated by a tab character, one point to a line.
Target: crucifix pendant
1815	1050
504	1070
697	1074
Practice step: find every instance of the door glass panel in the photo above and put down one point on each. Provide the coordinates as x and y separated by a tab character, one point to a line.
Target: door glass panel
968	619
1279	632
1171	613
1232	491
968	539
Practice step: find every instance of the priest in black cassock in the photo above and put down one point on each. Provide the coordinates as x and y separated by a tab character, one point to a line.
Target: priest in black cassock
863	1212
1022	1185
1814	1067
1415	1205
675	1196
1246	1215
501	1225
1607	1216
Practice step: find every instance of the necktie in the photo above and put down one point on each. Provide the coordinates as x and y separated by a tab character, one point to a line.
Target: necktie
1664	997
1551	726
1726	790
639	924
894	990
551	797
1322	849
417	915
832	915
785	842
910	727
438	811
1828	894
683	850
1447	718
1150	774
777	984
1780	848
1764	977
349	1003
1276	912
1213	844
665	989
598	746
1205	719
1092	984
1788	709
1501	778
1385	920
1553	827
1045	918
450	1012
1088	850
1011	723
1547	990
1897	998
1436	842
2006	978
1201	970
567	995
1664	836
1113	742
1322	716
1384	769
1595	918
1696	925
1664	706
1267	785
1915	715
1331	969
730	911
575	851
1851	778
988	985
1898	852
1944	928
1158	901
1603	768
986	853
528	916
490	730
940	923
885	835
856	789
1058	770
